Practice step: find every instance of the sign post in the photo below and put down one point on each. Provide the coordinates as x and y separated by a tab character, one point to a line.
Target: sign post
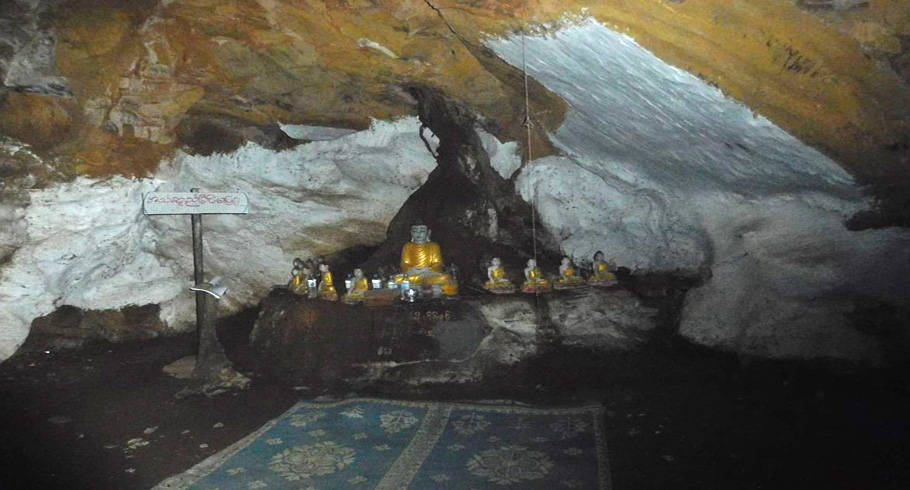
210	359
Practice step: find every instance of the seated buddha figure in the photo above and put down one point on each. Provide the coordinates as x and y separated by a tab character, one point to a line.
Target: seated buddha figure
568	275
326	288
600	272
534	280
299	275
421	262
297	284
498	283
359	286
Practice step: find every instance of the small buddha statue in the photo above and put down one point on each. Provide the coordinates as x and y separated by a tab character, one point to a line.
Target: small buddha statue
568	275
497	282
297	280
600	272
534	280
359	286
298	283
327	289
421	263
451	289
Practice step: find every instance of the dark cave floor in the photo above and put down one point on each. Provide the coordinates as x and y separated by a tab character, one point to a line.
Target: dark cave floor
678	416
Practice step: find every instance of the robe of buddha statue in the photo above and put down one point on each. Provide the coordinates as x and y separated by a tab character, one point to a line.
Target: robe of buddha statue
497	279
358	289
497	276
423	255
534	280
327	289
601	274
569	276
298	284
421	264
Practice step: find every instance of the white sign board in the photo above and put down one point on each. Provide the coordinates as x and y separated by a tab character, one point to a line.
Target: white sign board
195	203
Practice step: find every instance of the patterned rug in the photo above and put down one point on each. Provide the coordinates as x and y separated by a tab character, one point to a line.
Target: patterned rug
383	444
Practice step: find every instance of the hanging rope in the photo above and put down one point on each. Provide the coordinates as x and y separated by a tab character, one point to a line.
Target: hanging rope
527	124
532	190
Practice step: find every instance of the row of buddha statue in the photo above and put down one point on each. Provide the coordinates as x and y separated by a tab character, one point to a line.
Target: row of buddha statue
422	271
535	282
305	283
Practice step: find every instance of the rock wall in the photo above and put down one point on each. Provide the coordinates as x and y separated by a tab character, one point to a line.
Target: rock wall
83	245
788	280
663	172
467	204
301	341
114	86
653	165
87	244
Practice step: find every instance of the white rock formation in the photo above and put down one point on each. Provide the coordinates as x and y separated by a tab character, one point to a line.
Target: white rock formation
87	243
88	246
314	133
593	318
663	172
504	157
514	336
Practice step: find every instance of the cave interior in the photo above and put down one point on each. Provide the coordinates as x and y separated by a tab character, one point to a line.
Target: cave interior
742	167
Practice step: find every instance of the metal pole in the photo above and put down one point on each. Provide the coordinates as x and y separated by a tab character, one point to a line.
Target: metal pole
198	273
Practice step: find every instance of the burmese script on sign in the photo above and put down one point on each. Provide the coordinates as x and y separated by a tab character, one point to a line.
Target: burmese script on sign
195	203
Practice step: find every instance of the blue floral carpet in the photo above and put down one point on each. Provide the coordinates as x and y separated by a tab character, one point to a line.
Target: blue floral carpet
383	444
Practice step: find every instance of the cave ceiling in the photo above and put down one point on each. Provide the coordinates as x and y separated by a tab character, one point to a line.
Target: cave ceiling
113	87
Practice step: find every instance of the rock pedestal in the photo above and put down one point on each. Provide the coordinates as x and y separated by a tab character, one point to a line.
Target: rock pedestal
303	341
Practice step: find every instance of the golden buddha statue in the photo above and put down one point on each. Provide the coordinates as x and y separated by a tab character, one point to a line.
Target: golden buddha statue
359	286
299	275
421	262
498	283
327	289
298	284
534	280
600	272
568	275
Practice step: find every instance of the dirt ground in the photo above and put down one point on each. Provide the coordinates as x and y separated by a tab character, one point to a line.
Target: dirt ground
678	416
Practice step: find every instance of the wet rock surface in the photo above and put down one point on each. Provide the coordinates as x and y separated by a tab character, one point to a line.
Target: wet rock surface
601	319
298	338
443	341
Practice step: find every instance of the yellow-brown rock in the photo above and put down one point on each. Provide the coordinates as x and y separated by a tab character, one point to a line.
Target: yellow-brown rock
806	75
42	121
101	154
138	69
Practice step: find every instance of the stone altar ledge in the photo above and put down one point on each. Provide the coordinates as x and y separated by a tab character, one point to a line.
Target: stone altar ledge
306	341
